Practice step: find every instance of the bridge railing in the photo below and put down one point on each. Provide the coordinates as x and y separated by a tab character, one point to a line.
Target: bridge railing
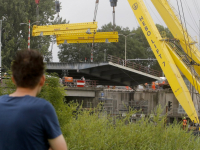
75	83
133	65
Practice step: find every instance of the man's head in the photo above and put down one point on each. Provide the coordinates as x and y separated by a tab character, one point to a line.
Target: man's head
27	68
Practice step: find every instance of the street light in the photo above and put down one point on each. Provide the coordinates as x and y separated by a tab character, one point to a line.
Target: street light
105	55
29	31
0	46
125	41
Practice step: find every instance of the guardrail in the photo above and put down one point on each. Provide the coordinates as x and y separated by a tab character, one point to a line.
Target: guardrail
75	83
133	65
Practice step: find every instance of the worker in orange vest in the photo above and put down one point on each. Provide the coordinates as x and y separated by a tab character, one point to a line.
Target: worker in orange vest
184	123
153	86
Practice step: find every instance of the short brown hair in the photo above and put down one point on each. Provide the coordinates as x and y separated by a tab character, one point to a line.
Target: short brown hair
27	68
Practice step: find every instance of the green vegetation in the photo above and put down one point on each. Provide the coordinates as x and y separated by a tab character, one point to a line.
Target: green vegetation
94	130
15	36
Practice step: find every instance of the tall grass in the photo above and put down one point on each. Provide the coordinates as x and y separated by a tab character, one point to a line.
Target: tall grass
92	130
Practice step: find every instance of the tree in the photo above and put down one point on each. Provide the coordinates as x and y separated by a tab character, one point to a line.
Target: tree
14	37
74	52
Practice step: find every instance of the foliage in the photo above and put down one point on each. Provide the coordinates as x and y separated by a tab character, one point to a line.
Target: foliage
54	92
74	52
15	36
93	130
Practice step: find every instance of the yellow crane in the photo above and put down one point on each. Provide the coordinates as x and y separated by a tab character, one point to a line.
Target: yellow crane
76	33
59	29
99	37
168	58
178	31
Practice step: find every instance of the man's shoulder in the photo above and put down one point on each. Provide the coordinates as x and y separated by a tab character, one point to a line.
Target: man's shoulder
26	100
40	102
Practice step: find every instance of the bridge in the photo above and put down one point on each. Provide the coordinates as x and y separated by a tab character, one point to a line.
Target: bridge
115	71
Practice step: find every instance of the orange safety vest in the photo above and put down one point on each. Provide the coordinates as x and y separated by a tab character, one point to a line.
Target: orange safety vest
184	122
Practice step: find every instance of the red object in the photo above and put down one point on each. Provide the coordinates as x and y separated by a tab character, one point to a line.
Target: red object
68	79
37	1
80	83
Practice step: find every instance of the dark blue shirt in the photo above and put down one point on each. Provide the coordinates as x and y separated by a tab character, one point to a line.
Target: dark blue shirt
26	123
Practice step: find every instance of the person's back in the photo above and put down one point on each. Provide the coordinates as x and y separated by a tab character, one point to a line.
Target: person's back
27	122
24	123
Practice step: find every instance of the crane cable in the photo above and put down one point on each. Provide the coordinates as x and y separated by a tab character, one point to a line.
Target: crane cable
192	67
177	14
194	22
114	18
37	10
94	19
191	15
195	3
57	8
96	9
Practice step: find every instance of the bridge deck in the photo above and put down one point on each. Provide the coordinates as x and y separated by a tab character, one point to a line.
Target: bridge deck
106	73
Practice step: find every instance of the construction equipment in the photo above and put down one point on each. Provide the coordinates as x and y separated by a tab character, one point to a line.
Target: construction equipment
76	33
64	29
169	58
88	38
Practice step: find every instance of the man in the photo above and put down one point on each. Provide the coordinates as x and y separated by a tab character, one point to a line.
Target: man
27	122
184	123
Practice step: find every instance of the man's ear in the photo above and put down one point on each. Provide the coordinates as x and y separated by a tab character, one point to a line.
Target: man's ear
13	80
42	80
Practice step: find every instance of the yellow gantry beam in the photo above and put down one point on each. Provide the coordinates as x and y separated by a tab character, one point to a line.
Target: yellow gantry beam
164	58
178	31
99	37
64	29
87	41
84	36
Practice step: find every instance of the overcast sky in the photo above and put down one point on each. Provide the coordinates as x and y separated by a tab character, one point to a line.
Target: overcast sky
78	11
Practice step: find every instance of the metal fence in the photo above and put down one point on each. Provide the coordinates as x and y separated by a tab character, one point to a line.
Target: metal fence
133	65
88	83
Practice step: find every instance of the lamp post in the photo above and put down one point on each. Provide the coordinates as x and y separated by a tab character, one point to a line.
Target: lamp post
29	32
0	46
105	55
125	41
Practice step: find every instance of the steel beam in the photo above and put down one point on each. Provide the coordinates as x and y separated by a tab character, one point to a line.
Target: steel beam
85	36
64	29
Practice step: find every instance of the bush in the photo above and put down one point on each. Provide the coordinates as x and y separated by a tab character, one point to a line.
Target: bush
54	92
92	130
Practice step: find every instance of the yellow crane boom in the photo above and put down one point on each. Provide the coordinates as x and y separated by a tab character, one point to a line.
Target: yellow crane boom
64	29
178	30
164	58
